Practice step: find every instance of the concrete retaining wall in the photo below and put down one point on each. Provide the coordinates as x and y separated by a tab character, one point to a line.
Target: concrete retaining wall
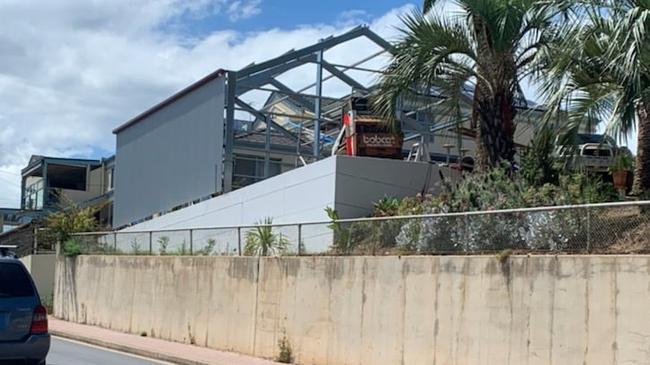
42	269
375	310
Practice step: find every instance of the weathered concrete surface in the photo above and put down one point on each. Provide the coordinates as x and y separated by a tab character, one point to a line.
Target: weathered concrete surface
41	267
375	310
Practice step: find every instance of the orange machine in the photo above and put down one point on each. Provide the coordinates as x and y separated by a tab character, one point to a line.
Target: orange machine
366	134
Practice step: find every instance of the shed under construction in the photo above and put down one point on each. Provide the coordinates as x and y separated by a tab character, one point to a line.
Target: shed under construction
234	128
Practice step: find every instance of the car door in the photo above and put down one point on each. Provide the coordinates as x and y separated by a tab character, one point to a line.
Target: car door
18	298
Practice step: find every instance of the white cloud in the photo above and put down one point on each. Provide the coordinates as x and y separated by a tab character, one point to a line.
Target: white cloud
244	9
73	70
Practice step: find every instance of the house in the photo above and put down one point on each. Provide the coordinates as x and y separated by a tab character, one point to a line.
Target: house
51	183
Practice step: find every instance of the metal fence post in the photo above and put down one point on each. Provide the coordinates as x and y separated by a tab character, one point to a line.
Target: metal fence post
239	240
300	239
35	251
191	242
150	242
588	230
114	242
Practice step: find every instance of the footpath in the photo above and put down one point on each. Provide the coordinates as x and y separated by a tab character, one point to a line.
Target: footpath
153	348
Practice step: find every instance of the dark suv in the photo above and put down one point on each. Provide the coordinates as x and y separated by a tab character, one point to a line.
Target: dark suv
24	338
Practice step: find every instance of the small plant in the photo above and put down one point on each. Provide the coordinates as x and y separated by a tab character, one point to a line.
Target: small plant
622	162
71	248
136	248
163	242
183	250
262	241
386	207
207	250
285	355
538	165
48	303
342	242
504	255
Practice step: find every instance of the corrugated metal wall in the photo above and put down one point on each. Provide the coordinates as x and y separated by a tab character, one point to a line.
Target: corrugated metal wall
171	157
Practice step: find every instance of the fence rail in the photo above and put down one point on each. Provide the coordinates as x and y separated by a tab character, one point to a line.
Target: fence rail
599	228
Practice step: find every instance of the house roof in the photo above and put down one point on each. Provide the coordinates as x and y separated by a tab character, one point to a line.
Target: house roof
260	137
36	160
216	74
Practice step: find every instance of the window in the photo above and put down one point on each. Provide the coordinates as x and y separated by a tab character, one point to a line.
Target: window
110	179
34	195
250	169
14	281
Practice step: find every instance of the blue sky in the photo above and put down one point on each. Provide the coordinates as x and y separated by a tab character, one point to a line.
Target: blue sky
286	14
72	70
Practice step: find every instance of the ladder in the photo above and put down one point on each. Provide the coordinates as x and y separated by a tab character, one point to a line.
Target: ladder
419	153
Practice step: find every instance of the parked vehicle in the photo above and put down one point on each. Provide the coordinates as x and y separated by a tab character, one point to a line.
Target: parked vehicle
24	337
589	153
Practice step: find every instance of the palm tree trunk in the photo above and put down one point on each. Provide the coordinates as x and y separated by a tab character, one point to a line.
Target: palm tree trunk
495	130
642	167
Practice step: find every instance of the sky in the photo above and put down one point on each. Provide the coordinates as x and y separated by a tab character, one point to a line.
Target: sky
73	70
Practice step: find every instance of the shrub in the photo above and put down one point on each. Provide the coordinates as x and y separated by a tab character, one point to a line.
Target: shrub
69	220
208	248
498	190
163	243
262	241
71	248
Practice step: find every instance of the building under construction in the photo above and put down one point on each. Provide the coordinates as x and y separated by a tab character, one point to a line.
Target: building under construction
234	128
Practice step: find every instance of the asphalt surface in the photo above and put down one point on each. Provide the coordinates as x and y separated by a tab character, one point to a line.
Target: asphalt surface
64	352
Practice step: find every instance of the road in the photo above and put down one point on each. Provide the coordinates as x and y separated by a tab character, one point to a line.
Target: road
64	352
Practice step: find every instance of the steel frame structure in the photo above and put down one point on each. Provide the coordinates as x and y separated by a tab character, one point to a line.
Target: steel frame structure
263	77
321	108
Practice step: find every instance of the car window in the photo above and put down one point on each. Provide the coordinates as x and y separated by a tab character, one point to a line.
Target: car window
14	281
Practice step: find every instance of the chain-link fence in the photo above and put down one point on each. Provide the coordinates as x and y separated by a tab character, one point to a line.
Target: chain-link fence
594	228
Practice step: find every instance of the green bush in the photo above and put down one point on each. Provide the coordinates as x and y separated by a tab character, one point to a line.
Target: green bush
71	248
497	190
263	241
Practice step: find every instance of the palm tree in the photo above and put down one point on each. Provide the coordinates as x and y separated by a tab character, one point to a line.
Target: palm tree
490	45
262	241
600	69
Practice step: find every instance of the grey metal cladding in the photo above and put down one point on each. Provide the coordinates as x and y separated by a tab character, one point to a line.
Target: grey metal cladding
169	157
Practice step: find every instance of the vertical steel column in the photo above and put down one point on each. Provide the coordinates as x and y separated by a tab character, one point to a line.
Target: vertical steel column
239	240
114	242
300	248
191	242
228	160
46	191
317	103
150	242
35	251
23	181
267	148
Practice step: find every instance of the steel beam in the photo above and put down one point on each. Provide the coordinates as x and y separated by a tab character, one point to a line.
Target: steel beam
317	102
342	76
320	46
265	119
381	42
228	168
284	89
360	62
265	76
